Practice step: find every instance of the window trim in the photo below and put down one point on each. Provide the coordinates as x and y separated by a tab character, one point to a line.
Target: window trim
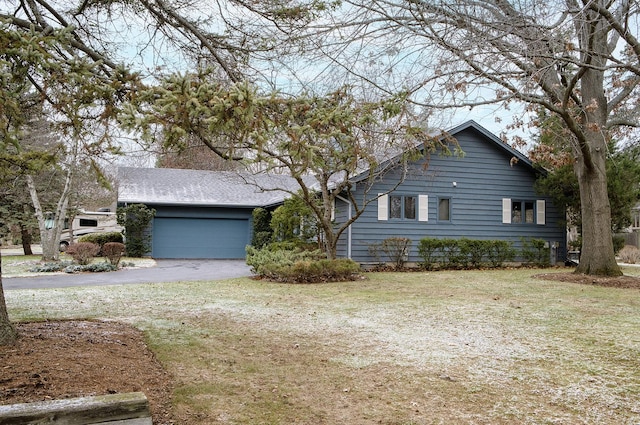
403	213
539	213
448	199
421	206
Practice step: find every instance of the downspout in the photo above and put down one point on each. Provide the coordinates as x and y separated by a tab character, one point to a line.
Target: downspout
349	228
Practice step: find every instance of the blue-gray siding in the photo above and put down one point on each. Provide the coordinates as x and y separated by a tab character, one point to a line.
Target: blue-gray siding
483	177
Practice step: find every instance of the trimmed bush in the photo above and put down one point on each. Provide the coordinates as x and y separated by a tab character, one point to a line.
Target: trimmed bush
472	251
456	253
430	249
83	252
453	256
102	238
113	251
500	252
535	252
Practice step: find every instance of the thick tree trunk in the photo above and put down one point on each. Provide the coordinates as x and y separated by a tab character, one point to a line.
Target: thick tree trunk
8	333
597	255
26	240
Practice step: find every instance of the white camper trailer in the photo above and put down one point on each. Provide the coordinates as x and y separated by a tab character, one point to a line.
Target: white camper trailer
86	222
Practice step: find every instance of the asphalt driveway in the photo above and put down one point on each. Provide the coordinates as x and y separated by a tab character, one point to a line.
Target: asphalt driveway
164	271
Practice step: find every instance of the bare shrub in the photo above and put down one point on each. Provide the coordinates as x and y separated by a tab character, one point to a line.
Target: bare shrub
83	252
397	250
629	254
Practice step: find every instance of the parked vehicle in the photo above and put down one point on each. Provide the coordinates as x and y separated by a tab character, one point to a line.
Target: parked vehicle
86	222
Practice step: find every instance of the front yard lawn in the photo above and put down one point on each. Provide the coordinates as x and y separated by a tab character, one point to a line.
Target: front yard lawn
453	347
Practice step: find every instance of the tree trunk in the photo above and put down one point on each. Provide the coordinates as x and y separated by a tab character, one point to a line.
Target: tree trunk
597	256
8	333
26	240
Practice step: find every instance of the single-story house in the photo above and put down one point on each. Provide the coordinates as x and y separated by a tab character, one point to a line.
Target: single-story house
486	194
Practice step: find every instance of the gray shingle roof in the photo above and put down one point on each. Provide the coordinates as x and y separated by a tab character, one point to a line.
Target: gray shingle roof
201	188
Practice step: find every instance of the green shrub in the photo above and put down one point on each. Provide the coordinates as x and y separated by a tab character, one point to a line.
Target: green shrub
51	267
430	249
455	253
453	257
293	245
472	251
262	233
94	268
136	219
619	242
535	252
313	271
83	252
499	252
397	250
258	259
102	238
299	266
113	251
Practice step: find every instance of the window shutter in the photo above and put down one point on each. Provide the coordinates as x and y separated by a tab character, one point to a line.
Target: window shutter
423	207
383	207
540	212
506	210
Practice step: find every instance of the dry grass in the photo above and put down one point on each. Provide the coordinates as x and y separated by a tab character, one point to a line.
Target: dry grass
477	347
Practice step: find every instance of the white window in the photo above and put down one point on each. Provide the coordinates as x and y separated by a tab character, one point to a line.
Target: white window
520	211
403	207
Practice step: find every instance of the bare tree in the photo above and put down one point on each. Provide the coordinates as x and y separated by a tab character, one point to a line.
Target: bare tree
579	60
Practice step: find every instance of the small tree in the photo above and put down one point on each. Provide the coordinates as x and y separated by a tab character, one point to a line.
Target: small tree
136	219
294	221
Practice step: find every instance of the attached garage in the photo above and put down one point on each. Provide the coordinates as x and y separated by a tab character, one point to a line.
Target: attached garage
201	214
199	238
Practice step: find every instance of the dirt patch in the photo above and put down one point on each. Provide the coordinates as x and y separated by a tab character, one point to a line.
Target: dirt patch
611	282
66	359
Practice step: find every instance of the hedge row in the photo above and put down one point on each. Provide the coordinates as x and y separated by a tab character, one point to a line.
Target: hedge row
464	253
475	253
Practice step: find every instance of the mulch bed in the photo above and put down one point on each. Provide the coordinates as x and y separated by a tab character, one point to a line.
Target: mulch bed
67	359
607	281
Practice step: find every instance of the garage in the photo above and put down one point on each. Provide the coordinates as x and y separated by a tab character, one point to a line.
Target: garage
200	213
199	237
